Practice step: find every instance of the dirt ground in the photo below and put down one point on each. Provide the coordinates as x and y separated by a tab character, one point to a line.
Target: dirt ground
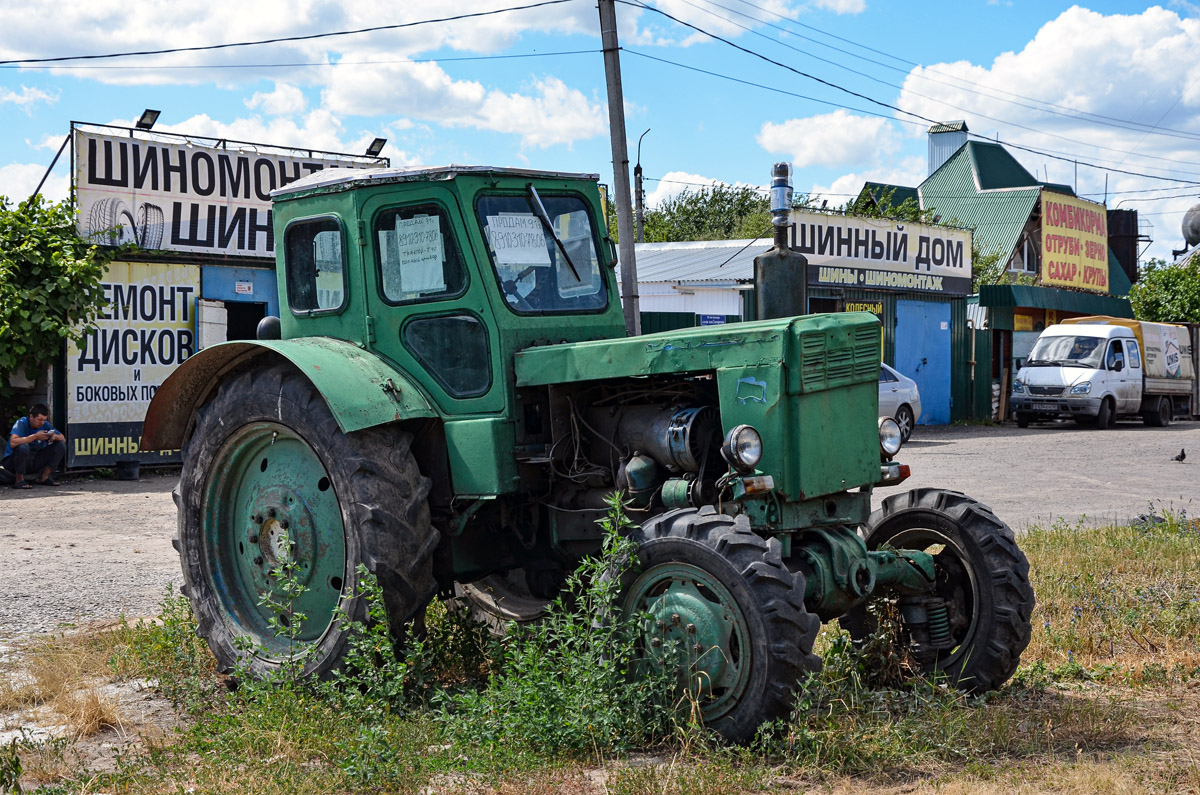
92	550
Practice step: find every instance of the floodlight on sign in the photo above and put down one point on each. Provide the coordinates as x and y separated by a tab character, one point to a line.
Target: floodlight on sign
149	117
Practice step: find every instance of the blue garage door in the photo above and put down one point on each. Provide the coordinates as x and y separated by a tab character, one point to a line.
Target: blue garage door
923	354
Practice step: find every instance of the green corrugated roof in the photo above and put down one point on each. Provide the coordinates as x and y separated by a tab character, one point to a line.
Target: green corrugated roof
950	126
1006	295
967	191
900	194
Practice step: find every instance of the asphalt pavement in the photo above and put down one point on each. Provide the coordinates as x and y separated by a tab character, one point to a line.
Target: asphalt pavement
1060	471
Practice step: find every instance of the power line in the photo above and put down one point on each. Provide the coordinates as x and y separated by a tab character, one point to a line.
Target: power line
872	100
283	39
1141	127
1051	153
325	63
961	80
893	107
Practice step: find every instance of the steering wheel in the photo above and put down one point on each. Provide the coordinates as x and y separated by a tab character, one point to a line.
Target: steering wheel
513	295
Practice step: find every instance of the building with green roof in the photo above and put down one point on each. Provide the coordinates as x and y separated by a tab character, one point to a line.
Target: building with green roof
979	185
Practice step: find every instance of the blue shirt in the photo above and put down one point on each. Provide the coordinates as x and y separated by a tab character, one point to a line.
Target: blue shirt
23	428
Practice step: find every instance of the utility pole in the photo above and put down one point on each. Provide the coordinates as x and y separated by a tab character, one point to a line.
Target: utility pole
639	195
620	152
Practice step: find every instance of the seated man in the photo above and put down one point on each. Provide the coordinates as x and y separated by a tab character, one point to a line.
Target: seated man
34	445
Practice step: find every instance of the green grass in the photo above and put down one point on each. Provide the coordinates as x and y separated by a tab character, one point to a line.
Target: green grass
1115	641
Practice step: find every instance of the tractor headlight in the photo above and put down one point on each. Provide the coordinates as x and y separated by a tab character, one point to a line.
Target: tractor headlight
1082	389
742	448
889	436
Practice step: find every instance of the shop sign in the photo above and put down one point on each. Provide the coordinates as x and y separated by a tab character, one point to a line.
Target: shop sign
712	320
1074	243
185	195
881	254
146	330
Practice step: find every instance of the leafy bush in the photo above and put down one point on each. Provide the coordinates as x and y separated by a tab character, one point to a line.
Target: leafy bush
576	681
49	285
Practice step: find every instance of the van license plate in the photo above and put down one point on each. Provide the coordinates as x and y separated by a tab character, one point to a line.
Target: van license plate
1045	407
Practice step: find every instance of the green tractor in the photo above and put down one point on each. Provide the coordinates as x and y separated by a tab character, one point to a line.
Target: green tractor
450	397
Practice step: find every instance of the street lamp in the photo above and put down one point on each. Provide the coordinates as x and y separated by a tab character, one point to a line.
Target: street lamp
147	120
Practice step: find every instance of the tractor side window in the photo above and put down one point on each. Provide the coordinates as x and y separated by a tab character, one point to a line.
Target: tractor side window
454	349
316	266
536	274
417	256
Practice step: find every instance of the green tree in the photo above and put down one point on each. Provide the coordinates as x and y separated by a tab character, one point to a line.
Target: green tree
49	285
717	213
1167	293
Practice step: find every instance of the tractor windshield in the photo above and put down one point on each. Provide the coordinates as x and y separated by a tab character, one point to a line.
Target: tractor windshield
537	274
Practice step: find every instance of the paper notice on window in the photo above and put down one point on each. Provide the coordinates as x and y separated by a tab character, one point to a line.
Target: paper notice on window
420	252
518	239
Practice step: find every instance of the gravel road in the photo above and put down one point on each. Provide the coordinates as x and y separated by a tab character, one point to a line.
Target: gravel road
95	549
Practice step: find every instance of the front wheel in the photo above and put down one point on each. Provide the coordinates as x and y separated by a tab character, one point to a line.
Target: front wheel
981	575
1023	418
1105	417
906	421
720	594
277	510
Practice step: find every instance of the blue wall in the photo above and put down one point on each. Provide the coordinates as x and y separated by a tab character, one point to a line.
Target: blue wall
219	283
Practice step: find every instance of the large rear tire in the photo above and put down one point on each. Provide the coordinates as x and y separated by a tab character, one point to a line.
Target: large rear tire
1160	415
270	483
722	593
982	575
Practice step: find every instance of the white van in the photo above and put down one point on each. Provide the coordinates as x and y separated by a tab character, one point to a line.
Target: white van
1100	368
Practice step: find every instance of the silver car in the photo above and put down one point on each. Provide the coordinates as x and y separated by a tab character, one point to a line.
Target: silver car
899	398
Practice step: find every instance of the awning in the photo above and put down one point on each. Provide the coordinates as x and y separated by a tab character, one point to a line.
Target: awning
1034	297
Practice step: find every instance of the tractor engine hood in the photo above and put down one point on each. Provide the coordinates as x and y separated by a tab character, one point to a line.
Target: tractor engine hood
817	352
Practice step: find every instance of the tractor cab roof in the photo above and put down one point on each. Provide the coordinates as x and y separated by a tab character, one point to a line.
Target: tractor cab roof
332	180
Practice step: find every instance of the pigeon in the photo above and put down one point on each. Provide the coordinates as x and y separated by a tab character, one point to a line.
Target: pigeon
1182	455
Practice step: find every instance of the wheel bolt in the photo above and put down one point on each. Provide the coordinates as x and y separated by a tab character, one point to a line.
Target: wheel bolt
676	619
258	561
284	524
258	518
698	648
271	513
656	642
691	628
254	538
660	624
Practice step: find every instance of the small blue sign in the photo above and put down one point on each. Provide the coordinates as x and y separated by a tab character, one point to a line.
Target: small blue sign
712	320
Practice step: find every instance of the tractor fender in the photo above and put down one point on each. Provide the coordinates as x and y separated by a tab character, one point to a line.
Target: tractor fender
360	389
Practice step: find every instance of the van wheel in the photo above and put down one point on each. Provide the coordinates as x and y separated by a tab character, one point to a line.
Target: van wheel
1160	416
1022	419
1105	417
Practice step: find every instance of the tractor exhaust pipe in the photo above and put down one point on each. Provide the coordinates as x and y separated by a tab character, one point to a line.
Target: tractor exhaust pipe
781	274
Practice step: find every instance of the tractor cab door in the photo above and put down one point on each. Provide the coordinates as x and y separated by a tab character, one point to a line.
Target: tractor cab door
428	310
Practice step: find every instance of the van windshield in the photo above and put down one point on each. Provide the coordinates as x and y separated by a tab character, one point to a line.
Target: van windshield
1066	351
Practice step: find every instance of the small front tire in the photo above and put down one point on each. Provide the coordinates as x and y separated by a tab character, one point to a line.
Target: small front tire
707	581
982	575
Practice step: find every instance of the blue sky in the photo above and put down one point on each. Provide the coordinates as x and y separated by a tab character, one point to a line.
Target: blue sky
1113	85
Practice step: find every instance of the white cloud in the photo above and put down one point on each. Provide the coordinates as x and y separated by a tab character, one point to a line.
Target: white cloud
285	100
674	183
909	172
832	139
27	98
1106	76
18	181
552	114
842	6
